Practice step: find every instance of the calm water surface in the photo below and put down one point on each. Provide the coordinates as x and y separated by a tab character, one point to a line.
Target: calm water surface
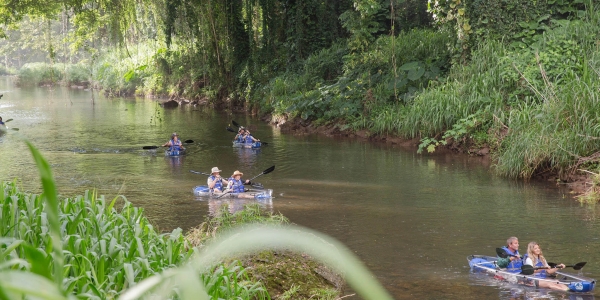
412	219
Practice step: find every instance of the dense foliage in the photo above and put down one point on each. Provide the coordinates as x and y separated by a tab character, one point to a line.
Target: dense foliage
469	74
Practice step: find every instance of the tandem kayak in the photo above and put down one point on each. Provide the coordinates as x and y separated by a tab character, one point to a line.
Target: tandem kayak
247	145
487	264
174	152
204	191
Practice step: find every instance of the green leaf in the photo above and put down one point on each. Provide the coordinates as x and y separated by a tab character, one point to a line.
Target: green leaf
416	74
410	66
129	75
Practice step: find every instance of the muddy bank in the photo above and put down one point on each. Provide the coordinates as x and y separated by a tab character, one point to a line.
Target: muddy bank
580	185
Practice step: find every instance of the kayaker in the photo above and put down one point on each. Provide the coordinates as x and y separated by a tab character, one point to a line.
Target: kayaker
215	182
1	123
236	185
514	262
536	259
174	143
239	138
248	138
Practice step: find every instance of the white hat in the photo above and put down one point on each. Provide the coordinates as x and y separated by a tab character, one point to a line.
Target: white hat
214	170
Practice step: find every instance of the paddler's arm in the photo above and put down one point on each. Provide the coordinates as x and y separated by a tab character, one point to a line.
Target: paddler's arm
503	262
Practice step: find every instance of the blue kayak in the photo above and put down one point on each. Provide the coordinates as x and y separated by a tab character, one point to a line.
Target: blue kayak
174	152
204	191
487	265
247	145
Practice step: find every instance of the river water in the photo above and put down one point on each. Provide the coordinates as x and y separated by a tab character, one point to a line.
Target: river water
412	219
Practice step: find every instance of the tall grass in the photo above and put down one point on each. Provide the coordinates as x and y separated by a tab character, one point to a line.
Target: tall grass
35	74
105	250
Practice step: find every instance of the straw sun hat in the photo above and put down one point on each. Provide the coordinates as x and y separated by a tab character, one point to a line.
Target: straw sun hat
237	173
214	170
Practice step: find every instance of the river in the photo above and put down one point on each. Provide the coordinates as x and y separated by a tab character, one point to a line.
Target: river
412	219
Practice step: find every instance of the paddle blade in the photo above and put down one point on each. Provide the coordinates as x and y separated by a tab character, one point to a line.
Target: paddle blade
149	147
231	130
235	124
189	141
501	253
578	266
15	129
8	120
269	170
527	270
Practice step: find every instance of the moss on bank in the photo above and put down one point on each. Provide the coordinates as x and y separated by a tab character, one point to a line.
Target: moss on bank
285	274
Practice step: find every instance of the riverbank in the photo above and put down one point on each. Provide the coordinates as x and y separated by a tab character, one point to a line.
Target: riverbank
583	187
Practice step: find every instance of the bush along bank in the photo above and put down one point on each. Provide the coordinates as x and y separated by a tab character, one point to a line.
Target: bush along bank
534	108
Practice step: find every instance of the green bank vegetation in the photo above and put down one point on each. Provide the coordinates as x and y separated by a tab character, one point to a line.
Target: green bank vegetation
93	248
515	77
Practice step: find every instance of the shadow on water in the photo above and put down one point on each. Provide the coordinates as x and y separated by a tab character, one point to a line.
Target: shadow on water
234	204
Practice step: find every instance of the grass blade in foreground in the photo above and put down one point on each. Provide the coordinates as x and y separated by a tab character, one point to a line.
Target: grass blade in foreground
255	238
52	211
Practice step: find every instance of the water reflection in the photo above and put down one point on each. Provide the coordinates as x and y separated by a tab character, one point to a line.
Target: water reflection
175	162
247	156
512	291
234	204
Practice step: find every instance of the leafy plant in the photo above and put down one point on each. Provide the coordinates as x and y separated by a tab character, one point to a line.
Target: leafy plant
430	144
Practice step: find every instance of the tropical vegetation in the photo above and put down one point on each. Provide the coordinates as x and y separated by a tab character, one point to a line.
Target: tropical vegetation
516	77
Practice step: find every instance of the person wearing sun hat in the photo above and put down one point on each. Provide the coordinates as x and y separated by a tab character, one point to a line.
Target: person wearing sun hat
239	138
215	182
174	143
236	185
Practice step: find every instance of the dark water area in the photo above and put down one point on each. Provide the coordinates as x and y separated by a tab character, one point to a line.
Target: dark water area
412	219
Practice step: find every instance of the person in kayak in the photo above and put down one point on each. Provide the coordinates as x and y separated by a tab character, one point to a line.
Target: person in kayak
239	138
514	262
215	182
536	259
248	138
1	122
235	185
174	143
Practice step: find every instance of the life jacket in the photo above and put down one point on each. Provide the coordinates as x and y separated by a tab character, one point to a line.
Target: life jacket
515	265
175	146
218	184
538	264
237	186
240	138
249	139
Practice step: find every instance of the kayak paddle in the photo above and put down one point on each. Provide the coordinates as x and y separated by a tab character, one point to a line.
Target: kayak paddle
529	270
502	253
155	147
576	266
267	171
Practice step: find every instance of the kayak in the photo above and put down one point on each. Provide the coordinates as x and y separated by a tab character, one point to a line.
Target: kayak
204	191
174	152
487	264
247	145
